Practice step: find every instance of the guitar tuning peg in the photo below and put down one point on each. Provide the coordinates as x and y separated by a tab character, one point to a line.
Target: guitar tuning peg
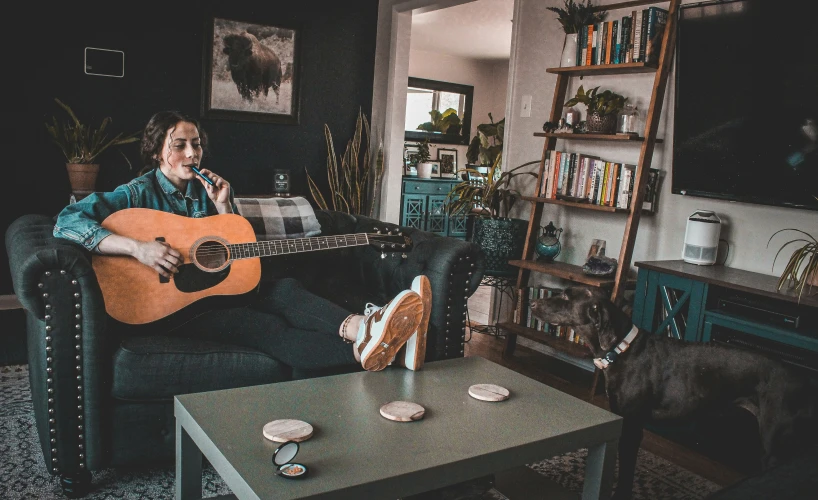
394	245
403	256
383	245
383	255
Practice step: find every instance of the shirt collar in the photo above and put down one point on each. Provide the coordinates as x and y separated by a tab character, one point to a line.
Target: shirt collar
169	188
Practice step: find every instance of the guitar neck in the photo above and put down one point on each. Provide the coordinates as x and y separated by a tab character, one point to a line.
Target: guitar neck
296	245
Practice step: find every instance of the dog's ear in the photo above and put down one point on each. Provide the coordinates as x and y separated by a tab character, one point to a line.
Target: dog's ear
600	317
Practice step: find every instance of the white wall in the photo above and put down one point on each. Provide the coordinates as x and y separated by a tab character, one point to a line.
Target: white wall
489	79
538	40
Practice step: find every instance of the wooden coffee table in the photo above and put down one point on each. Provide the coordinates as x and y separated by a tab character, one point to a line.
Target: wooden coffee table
356	453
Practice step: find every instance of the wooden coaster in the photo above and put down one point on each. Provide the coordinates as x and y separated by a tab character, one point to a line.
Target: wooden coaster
488	392
402	411
285	430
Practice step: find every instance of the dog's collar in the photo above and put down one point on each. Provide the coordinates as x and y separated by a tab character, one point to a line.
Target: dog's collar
623	346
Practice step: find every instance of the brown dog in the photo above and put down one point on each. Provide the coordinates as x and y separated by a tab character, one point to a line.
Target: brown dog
655	377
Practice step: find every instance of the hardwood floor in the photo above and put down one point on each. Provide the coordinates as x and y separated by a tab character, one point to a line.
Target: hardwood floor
576	382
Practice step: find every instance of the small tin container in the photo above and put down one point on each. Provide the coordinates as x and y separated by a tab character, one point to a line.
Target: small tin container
282	459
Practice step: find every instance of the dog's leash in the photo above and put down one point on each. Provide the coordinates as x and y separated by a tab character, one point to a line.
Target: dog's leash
623	346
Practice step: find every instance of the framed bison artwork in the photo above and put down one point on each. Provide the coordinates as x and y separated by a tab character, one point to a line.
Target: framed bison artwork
250	72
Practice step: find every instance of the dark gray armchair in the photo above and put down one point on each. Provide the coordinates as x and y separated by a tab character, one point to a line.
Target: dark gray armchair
102	398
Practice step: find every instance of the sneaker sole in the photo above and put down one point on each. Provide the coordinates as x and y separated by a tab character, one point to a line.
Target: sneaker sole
416	345
402	323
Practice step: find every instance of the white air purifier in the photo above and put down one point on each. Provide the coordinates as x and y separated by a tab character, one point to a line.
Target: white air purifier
702	238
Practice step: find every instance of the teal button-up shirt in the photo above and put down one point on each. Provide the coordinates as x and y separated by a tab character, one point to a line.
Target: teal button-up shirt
80	222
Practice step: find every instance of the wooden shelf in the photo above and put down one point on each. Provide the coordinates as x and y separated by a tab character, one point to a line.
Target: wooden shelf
570	348
584	206
594	137
604	69
563	270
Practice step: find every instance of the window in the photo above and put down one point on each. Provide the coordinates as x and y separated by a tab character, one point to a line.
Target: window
425	96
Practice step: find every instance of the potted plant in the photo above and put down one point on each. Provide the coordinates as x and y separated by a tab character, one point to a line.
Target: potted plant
489	198
574	16
354	181
487	145
421	159
446	122
802	267
602	108
81	146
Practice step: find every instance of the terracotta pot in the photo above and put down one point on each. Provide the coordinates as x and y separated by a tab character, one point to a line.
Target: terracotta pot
599	124
83	178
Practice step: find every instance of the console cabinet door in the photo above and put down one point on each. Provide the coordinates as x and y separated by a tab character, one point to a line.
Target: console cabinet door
414	211
437	220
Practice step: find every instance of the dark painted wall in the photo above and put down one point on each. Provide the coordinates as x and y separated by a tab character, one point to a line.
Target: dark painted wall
163	45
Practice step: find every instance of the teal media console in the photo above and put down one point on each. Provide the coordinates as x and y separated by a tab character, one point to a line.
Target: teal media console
725	305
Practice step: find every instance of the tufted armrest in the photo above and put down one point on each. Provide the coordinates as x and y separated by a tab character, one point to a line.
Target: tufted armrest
67	352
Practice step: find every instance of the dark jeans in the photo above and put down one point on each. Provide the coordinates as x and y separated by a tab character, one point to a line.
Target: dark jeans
286	322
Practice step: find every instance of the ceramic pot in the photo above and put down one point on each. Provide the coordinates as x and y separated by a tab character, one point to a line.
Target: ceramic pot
548	244
569	51
501	239
599	124
83	178
425	170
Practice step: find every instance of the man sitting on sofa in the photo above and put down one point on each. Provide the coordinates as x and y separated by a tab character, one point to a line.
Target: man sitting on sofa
318	333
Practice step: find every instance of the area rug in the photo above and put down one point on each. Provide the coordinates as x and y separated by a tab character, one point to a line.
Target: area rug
23	474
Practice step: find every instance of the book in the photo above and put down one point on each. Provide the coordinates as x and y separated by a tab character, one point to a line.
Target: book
616	41
657	20
580	41
608	41
623	199
593	179
643	35
589	52
625	39
637	35
543	182
603	36
555	174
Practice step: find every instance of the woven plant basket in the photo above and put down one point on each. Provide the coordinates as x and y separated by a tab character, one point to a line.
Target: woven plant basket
599	124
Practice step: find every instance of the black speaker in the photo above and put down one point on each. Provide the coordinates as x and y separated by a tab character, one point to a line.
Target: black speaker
104	62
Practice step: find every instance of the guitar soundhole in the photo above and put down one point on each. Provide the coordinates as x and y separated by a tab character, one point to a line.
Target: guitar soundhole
211	256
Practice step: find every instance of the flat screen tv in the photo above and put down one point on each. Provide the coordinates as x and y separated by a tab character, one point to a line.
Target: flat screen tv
746	110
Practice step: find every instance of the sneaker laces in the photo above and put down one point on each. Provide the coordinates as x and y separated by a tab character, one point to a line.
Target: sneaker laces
370	309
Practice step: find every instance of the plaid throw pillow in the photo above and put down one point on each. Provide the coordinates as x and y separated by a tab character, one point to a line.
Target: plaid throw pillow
279	218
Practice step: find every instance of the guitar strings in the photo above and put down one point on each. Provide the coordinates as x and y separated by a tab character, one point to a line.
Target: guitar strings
283	245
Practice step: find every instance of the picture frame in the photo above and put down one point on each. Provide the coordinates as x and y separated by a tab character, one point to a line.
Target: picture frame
409	167
258	96
448	162
435	168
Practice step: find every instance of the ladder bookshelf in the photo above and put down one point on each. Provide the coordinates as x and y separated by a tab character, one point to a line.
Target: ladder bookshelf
617	283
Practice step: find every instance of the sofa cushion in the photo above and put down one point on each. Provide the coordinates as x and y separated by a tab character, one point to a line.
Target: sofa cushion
159	367
279	218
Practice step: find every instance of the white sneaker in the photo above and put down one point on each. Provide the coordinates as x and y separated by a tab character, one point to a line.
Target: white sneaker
385	329
413	353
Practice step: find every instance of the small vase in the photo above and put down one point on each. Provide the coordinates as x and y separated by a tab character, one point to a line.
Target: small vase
569	51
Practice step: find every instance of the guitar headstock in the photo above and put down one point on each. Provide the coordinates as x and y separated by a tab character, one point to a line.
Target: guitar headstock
392	240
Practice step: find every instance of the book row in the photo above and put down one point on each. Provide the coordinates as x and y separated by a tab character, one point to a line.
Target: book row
633	38
523	316
588	179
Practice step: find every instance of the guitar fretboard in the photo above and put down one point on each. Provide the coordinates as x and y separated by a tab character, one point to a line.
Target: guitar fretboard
295	245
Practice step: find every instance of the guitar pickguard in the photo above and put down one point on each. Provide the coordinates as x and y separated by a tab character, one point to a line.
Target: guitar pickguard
191	279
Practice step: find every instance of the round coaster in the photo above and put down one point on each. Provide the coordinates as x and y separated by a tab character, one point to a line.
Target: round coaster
285	430
488	392
402	411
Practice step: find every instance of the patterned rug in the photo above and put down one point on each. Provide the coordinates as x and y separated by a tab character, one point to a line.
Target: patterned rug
23	474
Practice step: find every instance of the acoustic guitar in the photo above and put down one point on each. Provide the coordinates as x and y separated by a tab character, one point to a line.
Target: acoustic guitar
221	258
